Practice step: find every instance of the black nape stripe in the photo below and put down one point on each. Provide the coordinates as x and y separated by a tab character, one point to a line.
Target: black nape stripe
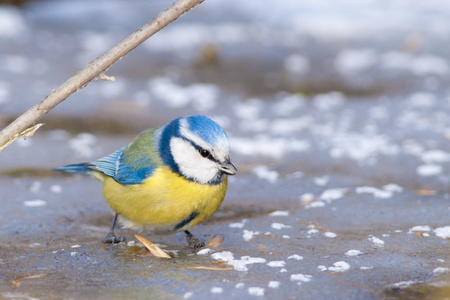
183	223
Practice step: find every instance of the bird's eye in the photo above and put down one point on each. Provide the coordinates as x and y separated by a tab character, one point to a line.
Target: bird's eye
204	153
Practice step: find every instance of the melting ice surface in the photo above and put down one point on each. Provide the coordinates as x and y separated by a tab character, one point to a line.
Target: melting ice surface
336	111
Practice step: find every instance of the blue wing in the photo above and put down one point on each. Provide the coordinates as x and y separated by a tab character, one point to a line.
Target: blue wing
125	171
108	165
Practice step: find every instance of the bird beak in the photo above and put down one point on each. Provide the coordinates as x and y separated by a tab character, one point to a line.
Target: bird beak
228	168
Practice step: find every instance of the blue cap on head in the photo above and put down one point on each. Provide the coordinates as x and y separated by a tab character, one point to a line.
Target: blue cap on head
206	129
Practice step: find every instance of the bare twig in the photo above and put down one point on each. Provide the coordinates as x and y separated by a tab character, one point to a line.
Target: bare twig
28	132
93	69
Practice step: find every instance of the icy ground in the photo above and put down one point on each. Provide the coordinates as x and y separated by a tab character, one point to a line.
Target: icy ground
338	122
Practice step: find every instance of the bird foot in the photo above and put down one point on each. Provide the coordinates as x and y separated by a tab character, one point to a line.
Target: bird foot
194	243
111	238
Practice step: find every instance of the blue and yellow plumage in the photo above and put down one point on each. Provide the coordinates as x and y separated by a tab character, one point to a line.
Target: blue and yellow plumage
169	179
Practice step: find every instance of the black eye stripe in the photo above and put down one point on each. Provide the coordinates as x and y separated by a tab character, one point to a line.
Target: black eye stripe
198	148
209	156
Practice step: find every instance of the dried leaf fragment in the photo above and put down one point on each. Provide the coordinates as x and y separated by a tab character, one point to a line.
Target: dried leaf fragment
154	250
271	235
215	241
219	263
211	268
426	192
17	281
261	247
419	233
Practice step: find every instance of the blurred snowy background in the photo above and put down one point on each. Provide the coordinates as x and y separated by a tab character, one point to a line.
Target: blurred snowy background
337	112
359	80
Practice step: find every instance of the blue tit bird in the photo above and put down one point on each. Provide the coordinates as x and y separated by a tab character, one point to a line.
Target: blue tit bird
169	179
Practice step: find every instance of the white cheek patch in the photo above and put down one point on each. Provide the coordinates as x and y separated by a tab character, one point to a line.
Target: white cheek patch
190	162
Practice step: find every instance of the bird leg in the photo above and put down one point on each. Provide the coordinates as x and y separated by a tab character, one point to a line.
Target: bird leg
111	238
194	243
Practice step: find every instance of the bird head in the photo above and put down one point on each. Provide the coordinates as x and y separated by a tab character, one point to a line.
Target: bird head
197	148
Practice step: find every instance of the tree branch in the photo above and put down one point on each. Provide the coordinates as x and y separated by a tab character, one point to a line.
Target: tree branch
19	127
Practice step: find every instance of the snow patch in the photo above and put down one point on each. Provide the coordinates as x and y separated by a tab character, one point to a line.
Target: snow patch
333	194
377	242
279	213
263	172
280	226
442	232
256	291
301	277
276	264
429	170
296	257
35	203
238	264
353	253
249	234
274	284
340	266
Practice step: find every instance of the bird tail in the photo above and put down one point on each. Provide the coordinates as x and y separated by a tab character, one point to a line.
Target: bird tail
85	168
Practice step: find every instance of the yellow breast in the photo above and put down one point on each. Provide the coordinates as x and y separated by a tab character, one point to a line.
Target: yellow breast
165	202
